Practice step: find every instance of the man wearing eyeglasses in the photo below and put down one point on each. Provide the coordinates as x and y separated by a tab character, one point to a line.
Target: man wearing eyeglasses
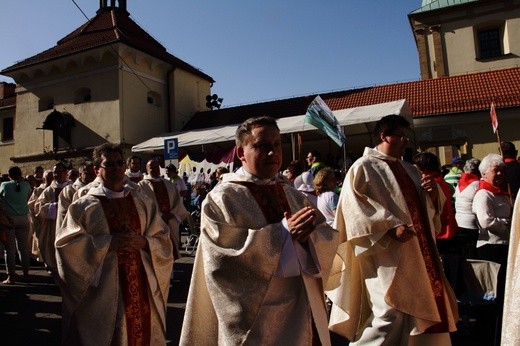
387	285
263	253
115	261
313	160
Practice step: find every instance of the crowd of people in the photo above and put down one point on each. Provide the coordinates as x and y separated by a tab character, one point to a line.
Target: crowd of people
283	257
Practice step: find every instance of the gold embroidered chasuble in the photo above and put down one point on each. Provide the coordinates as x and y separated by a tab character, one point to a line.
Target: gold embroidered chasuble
235	294
168	200
371	203
511	314
47	230
121	295
132	276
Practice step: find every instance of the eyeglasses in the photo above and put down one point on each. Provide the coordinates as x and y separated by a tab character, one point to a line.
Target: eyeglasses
112	164
402	137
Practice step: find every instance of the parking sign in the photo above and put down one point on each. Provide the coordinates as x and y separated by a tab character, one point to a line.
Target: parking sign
171	149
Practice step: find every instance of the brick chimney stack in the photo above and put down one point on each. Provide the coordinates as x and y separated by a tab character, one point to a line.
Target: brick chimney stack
7	90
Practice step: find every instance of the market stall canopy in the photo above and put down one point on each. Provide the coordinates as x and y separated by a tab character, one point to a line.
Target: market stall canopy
346	117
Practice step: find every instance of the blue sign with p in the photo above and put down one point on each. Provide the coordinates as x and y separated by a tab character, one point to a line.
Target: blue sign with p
171	149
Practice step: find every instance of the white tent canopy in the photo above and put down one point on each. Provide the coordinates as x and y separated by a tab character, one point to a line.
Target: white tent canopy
346	117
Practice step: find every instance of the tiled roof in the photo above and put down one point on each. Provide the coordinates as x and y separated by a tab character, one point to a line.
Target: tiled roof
107	27
457	94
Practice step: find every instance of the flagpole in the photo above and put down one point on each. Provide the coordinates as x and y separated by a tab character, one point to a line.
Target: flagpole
494	123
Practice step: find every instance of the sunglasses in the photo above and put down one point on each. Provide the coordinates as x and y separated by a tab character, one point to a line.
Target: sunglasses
112	164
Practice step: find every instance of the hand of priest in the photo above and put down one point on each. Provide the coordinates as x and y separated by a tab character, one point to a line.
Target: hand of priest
302	223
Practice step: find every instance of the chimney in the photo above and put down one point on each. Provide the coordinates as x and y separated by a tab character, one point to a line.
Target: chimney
7	90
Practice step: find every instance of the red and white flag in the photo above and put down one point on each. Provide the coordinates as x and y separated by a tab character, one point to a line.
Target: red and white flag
494	119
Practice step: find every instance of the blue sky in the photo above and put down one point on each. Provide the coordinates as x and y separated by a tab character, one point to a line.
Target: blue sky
255	50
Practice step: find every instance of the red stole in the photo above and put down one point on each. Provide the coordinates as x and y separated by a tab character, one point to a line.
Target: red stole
161	195
270	198
426	241
163	201
122	216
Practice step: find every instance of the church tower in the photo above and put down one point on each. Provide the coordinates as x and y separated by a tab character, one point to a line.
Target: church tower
466	36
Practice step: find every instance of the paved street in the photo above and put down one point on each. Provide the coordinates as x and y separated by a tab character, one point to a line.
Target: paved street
30	313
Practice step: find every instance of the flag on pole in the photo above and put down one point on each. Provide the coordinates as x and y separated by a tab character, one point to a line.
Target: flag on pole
494	119
319	115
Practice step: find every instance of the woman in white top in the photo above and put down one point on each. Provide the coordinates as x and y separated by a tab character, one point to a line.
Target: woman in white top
464	193
325	184
493	209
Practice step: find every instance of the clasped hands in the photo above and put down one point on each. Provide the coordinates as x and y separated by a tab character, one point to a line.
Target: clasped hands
302	223
401	233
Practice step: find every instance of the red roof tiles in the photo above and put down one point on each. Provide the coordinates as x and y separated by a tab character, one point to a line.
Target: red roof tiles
465	93
107	27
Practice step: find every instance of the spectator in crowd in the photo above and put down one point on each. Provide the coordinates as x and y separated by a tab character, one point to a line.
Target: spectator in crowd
448	245
453	175
387	285
430	167
262	255
325	186
305	184
133	172
292	171
180	184
493	208
15	194
314	162
509	153
219	172
201	178
464	193
115	259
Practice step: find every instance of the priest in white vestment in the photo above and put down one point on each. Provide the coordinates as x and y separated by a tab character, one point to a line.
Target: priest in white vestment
46	210
114	258
262	256
387	284
511	315
86	176
168	200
